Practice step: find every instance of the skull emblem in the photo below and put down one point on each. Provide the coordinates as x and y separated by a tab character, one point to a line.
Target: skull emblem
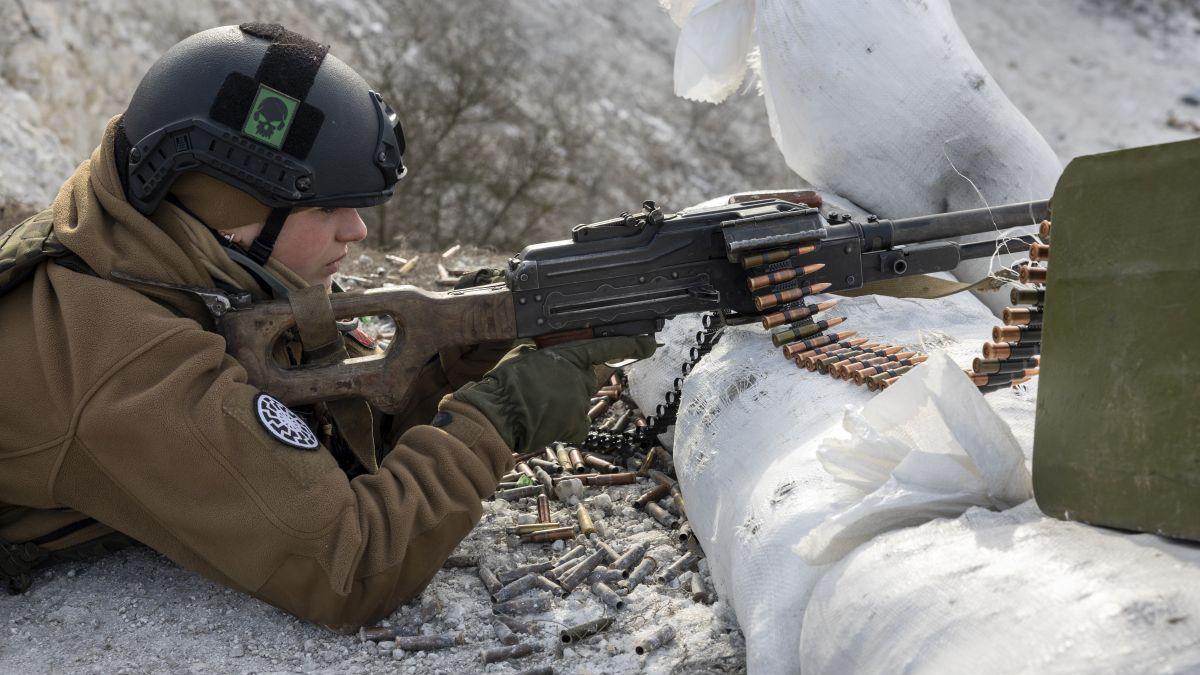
270	116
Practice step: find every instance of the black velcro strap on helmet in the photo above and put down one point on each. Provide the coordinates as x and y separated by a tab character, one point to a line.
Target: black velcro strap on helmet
290	67
264	243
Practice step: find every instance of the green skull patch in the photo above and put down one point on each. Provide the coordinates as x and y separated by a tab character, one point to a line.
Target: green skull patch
270	117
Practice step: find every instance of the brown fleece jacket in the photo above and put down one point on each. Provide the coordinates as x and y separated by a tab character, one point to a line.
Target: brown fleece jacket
117	408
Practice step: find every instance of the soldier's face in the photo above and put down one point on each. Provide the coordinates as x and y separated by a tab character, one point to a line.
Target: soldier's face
314	242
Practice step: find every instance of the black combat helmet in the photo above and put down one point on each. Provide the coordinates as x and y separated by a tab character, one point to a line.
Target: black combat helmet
267	111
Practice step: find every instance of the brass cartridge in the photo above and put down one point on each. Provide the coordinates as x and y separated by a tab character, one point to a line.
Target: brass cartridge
1022	316
794	351
586	526
579	572
1022	335
644	569
1039	252
561	456
607	595
601	464
576	458
631	557
660	514
543	508
654	494
509	576
777	255
533	527
1009	350
1028	296
623	478
525	583
998	366
796	314
1044	231
769	300
520	492
598	409
782	276
678	567
490	581
528	604
802	331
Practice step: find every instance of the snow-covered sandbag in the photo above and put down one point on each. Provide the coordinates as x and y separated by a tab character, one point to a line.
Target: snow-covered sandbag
745	448
930	446
1009	592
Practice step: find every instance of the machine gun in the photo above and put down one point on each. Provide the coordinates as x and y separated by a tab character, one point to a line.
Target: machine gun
623	276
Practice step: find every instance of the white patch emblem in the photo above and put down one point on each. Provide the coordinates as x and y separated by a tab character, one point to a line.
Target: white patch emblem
282	423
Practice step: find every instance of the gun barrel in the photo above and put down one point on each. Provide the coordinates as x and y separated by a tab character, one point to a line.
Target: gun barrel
960	223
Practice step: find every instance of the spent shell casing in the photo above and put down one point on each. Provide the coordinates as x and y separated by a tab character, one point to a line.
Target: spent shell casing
460	561
525	605
538	670
548	535
1009	350
660	514
636	576
605	574
520	492
661	636
774	256
421	643
525	583
376	633
543	478
1028	296
623	478
600	463
564	460
504	634
543	508
610	554
532	527
798	313
1022	335
1000	366
1032	275
1044	230
678	567
598	409
824	364
684	532
507	485
581	477
648	461
576	458
1002	378
586	526
782	276
677	501
579	572
516	625
889	382
627	560
780	297
585	630
607	595
509	576
527	470
661	478
701	592
656	493
1022	316
802	331
545	465
1039	252
497	654
574	554
490	581
547	585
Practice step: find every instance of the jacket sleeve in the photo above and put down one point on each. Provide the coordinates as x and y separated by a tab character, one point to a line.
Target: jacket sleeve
170	449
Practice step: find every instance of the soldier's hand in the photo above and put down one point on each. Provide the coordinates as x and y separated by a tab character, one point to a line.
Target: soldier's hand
537	396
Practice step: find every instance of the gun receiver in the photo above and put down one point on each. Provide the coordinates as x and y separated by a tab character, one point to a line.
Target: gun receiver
623	276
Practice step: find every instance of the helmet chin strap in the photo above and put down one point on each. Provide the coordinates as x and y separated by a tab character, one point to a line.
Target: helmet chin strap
264	243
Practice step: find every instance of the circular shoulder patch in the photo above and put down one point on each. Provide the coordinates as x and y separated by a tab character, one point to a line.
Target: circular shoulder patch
283	424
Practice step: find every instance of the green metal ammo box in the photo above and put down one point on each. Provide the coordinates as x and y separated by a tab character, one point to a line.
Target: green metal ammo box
1117	440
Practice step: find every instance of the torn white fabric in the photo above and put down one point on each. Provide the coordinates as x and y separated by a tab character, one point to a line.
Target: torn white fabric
928	447
711	56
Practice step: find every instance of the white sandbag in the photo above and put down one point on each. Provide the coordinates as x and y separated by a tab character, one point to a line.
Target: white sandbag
927	447
745	455
1010	592
711	56
882	101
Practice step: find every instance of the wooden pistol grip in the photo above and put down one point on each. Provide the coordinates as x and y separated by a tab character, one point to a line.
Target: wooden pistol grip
425	322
